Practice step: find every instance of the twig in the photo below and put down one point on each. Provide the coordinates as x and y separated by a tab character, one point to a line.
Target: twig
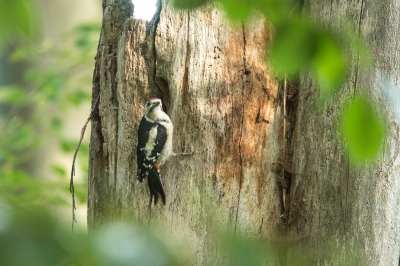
284	140
185	153
71	183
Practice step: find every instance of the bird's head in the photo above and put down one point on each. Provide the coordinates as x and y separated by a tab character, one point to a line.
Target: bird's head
152	104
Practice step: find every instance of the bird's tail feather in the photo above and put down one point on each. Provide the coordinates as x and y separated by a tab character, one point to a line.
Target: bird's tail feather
155	186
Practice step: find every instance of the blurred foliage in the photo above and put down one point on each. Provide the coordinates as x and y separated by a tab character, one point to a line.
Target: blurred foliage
33	236
55	80
17	19
361	119
303	44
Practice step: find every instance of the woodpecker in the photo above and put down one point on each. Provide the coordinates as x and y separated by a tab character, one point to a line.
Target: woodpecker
154	147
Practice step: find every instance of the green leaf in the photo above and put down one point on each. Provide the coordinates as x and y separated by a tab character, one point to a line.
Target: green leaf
329	62
242	251
236	9
58	169
69	146
277	11
188	4
22	53
293	47
362	129
14	15
11	94
88	28
56	124
77	97
81	192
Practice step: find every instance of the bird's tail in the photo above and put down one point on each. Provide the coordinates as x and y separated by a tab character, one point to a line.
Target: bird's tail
155	186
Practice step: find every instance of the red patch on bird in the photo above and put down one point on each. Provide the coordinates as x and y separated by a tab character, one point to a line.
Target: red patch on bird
152	99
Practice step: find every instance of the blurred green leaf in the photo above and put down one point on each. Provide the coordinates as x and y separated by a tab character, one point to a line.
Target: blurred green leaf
242	251
69	145
83	43
329	61
77	97
22	53
56	124
14	15
58	169
81	193
22	190
363	129
87	28
12	94
293	47
236	9
189	3
125	244
34	237
277	11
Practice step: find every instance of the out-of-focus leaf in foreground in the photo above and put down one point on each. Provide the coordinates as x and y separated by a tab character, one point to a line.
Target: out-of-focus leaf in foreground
362	129
32	236
125	244
15	17
293	47
242	251
329	62
236	9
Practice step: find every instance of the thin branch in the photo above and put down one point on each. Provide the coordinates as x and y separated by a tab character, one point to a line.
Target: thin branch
185	153
71	183
284	139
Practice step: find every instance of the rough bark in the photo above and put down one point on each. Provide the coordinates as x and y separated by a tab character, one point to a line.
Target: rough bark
224	103
353	209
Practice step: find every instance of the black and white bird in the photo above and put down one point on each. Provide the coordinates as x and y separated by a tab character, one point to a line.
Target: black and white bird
154	147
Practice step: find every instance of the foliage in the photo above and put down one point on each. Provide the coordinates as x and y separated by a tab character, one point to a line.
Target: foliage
32	236
300	44
16	16
359	119
31	109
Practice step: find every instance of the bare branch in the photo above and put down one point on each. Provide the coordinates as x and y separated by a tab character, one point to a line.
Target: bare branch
71	183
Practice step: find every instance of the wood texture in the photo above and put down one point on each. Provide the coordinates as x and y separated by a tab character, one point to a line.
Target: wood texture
226	105
347	214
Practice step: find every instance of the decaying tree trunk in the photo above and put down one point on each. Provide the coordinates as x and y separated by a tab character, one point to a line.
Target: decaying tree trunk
356	209
225	104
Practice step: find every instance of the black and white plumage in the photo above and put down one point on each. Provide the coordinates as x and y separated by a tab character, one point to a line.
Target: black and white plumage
154	146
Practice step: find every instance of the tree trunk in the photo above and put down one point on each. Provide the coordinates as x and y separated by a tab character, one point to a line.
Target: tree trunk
225	104
356	209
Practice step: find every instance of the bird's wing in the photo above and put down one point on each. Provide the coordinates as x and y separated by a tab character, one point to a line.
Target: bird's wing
151	140
143	136
160	140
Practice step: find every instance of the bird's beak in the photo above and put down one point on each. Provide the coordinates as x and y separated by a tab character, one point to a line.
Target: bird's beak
154	106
